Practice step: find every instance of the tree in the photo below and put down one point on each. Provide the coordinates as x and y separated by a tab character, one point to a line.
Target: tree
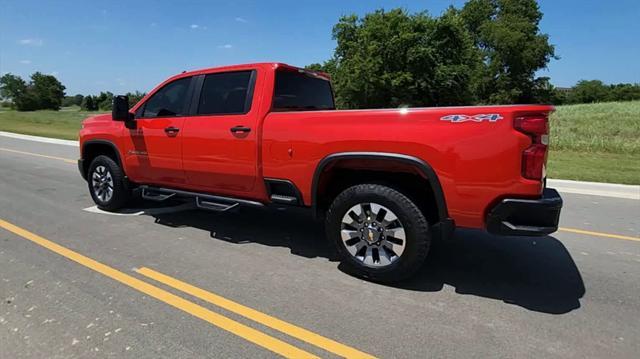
390	59
135	97
68	101
14	88
48	91
624	92
78	99
42	92
589	91
508	38
72	100
88	104
104	100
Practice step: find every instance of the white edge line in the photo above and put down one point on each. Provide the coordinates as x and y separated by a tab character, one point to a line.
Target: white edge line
609	186
95	209
139	211
598	193
39	139
596	188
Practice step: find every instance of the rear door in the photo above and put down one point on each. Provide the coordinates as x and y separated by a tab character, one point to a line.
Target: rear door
154	146
220	140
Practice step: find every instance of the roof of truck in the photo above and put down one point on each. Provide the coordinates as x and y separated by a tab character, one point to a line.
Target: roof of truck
272	65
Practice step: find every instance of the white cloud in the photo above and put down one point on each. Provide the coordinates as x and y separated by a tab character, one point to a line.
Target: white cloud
25	62
194	26
31	42
225	46
153	24
241	19
197	27
54	73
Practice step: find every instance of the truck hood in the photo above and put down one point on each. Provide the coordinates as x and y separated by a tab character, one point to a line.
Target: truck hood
96	120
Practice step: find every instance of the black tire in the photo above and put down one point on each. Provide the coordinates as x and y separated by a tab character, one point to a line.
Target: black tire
414	223
121	192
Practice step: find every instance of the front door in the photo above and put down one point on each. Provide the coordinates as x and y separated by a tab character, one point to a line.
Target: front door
220	140
154	146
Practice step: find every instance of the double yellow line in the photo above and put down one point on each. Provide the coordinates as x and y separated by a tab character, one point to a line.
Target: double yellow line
255	336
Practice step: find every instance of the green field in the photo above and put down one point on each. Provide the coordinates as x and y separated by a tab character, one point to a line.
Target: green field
596	142
592	142
63	124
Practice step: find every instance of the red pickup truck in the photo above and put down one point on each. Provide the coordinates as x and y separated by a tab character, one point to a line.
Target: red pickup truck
385	181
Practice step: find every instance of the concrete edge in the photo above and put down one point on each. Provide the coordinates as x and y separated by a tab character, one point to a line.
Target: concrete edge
596	188
39	139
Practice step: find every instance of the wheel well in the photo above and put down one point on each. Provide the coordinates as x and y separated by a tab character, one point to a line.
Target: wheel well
403	177
92	150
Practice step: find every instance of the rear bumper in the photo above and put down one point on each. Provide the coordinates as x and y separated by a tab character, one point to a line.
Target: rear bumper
526	217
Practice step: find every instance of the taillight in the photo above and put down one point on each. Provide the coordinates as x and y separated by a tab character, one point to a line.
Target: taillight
532	125
534	157
533	161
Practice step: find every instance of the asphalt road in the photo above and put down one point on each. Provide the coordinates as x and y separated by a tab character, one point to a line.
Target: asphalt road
76	283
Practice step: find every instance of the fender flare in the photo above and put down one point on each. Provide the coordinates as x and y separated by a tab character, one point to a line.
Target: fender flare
101	142
419	164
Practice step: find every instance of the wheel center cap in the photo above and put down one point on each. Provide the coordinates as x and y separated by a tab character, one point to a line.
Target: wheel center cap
371	234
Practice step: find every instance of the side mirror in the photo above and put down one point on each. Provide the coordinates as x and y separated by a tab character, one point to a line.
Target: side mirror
120	110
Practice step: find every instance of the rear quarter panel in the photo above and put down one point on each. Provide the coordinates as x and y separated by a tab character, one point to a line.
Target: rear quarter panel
477	163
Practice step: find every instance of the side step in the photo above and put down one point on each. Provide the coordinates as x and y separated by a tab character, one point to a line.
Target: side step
284	199
214	206
155	196
283	191
202	200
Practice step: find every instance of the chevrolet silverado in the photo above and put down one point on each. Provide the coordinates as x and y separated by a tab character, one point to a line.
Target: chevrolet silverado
386	182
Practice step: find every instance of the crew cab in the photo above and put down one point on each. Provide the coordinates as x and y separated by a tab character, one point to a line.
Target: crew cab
386	182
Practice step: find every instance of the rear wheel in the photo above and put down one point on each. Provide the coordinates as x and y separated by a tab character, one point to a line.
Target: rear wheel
380	234
106	184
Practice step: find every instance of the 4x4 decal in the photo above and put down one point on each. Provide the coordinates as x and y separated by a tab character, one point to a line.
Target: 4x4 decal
493	117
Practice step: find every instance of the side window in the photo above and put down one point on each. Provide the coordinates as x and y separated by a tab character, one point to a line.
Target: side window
301	91
226	93
169	101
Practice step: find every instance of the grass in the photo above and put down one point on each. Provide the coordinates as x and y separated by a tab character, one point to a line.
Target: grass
63	124
589	142
596	142
595	167
612	127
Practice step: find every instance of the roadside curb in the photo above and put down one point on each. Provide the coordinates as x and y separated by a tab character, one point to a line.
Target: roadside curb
596	188
39	139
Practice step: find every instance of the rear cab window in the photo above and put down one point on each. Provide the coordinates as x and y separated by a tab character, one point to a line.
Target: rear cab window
300	90
226	93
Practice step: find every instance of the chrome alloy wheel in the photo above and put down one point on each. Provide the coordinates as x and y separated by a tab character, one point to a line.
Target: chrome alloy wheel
102	183
373	234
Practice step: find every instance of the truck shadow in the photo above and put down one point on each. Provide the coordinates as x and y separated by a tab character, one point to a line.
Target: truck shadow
538	274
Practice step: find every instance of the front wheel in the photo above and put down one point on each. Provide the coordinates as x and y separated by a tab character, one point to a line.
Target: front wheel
380	234
106	184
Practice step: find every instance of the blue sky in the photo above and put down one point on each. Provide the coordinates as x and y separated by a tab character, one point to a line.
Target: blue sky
132	45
